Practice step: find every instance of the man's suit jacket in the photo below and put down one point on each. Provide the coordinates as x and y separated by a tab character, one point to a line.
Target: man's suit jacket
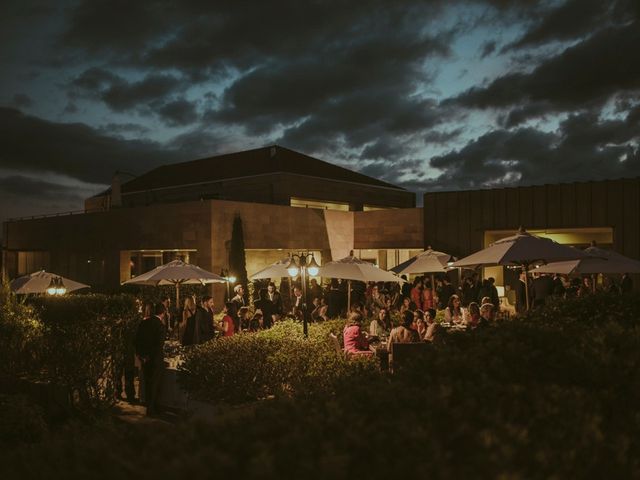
273	305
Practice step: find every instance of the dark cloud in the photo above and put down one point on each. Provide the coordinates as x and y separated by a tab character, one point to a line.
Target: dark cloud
77	150
23	196
117	25
123	95
390	171
178	112
204	142
442	137
155	94
355	120
22	100
283	93
25	186
583	76
95	79
488	48
576	18
585	147
124	128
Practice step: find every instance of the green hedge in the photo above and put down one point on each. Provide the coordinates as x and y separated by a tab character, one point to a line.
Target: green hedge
551	395
21	420
75	342
21	335
84	341
278	361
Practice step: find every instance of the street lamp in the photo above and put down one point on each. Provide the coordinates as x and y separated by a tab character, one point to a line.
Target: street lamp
56	287
305	264
229	279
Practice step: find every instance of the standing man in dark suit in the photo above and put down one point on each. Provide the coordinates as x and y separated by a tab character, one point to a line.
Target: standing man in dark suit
204	329
149	345
626	284
542	289
333	299
521	294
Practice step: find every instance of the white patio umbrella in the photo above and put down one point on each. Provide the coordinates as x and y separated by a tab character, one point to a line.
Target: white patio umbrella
598	260
352	268
429	261
275	270
176	273
522	250
41	281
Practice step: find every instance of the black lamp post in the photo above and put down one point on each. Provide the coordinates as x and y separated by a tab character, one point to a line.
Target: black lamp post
303	264
56	287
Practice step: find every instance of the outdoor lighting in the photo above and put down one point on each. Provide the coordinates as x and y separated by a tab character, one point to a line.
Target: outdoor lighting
303	264
56	287
229	279
292	269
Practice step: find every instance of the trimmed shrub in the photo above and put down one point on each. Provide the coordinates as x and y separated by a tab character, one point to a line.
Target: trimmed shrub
278	361
84	342
20	420
551	395
20	336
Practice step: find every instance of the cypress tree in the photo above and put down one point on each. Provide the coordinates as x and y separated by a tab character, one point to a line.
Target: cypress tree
237	256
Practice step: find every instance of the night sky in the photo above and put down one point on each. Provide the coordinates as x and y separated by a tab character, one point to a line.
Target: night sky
429	95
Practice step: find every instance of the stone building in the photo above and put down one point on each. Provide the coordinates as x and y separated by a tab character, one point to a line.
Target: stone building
290	202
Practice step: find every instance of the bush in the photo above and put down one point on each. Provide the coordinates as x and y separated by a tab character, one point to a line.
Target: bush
20	336
84	342
551	395
20	420
278	361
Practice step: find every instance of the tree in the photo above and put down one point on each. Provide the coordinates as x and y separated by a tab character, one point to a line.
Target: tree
237	256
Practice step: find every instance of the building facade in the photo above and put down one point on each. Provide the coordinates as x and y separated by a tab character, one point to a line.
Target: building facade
288	203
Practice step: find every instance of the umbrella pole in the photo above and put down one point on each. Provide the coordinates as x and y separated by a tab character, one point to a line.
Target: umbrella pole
526	285
348	297
177	296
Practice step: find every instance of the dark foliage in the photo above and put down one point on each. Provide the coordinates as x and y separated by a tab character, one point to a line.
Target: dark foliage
237	256
552	395
75	342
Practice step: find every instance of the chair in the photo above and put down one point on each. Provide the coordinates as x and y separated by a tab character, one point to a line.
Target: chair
406	354
333	339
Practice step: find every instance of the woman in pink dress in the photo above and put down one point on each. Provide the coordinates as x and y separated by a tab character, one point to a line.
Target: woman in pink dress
355	340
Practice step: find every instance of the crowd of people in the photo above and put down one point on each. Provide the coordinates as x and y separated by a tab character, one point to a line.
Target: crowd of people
473	303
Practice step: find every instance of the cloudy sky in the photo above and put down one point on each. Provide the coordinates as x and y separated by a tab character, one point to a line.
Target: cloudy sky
430	95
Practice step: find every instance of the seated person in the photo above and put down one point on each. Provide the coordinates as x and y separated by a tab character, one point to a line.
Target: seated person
474	314
319	311
404	333
355	340
419	324
381	324
432	326
453	312
257	322
244	317
406	305
487	314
